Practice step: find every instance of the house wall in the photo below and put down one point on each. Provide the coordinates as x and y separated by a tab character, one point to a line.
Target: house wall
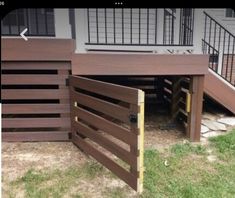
219	14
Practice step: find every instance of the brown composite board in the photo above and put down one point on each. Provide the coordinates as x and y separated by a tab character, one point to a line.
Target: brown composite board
36	136
47	49
35	122
194	118
34	65
34	79
119	92
35	94
106	161
107	126
35	108
108	108
138	64
105	142
220	91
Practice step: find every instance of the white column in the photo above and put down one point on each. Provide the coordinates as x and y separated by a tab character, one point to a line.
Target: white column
198	30
160	19
81	29
62	25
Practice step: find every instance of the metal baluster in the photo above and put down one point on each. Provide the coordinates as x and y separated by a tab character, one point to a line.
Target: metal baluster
97	26
147	26
88	23
131	25
105	25
155	26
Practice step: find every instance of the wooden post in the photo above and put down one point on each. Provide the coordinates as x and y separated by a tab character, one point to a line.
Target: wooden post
194	119
140	159
138	129
64	101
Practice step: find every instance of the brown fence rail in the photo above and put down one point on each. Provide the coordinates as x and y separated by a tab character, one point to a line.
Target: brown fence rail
107	121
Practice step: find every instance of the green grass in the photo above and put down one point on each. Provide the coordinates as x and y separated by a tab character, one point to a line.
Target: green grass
189	174
56	183
225	144
187	148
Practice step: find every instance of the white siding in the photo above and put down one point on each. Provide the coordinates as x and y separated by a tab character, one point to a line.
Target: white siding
219	15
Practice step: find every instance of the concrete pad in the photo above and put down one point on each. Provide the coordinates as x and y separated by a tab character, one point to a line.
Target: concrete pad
214	125
204	129
227	120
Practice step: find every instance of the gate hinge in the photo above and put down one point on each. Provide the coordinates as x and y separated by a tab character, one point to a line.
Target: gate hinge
133	118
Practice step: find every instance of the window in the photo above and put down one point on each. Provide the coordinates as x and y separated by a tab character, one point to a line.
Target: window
14	18
40	22
230	13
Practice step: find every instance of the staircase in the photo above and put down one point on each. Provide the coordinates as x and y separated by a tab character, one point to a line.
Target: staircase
219	43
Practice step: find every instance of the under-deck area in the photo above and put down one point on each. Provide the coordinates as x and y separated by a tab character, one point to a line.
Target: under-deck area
163	120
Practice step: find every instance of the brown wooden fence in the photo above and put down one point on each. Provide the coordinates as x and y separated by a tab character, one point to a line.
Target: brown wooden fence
107	121
177	94
35	93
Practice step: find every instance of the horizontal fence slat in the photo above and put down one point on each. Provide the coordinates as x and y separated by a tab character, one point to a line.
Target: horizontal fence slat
168	86
35	122
106	126
35	94
29	65
35	136
106	143
35	108
106	161
119	92
105	107
34	79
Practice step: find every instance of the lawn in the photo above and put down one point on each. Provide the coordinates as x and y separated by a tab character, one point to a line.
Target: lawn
182	170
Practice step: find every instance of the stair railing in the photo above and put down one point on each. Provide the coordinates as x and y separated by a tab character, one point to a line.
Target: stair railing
219	43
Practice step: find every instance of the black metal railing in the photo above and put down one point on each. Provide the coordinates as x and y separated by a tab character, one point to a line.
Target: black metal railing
186	26
40	22
118	26
219	43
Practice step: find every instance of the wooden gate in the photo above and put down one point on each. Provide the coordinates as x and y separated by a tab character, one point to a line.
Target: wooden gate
108	123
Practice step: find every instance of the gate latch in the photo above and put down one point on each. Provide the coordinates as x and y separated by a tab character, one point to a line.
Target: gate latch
133	118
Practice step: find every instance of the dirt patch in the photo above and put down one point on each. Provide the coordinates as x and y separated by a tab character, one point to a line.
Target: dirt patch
17	158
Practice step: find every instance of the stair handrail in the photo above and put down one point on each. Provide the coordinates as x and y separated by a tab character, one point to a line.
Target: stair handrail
218	55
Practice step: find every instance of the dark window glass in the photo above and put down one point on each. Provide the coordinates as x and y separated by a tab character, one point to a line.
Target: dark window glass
230	13
40	22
